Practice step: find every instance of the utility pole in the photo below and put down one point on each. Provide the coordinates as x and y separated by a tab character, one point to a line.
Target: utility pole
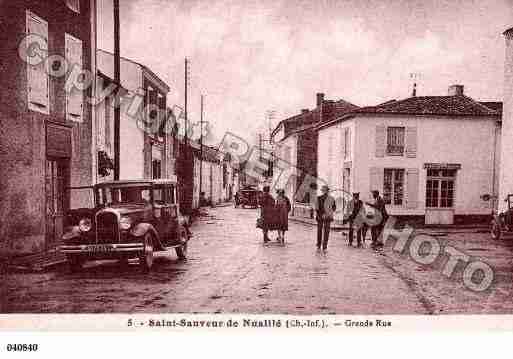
201	149
185	110
117	80
187	173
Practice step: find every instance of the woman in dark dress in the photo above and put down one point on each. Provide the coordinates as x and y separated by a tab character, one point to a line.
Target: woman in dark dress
283	208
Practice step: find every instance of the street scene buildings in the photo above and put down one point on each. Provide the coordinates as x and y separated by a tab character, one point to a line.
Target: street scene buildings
108	166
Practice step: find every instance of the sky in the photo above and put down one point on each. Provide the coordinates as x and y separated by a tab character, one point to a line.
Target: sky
248	57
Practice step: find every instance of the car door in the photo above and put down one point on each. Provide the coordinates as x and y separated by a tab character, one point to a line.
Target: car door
162	211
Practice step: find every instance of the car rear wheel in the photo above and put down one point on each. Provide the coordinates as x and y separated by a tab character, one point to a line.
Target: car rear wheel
146	258
181	251
495	230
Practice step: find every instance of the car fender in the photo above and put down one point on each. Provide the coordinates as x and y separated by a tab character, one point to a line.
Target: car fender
141	229
71	233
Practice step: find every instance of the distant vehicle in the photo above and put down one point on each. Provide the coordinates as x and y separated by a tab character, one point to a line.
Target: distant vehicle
130	219
248	196
503	222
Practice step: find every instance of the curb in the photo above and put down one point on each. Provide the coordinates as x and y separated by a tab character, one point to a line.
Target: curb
334	227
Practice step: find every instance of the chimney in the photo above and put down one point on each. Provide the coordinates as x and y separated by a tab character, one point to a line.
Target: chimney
305	110
456	90
320	99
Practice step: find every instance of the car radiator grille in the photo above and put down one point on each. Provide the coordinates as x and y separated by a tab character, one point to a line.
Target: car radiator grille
107	230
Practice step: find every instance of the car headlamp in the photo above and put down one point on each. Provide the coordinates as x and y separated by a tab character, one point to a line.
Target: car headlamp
85	225
125	223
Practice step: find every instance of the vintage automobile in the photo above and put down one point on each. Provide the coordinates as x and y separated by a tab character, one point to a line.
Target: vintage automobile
130	219
503	222
248	196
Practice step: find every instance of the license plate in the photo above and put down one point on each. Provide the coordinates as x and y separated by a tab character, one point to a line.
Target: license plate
99	248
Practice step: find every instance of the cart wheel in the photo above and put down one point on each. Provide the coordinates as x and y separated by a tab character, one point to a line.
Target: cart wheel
495	230
146	258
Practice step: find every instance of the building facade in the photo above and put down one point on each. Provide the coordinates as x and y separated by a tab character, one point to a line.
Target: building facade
146	146
506	173
45	121
295	141
432	157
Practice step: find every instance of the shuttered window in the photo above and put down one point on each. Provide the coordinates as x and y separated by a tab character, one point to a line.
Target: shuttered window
38	82
376	179
395	141
393	186
74	96
412	188
347	142
411	141
380	140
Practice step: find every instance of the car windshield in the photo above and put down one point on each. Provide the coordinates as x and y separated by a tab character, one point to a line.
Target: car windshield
108	196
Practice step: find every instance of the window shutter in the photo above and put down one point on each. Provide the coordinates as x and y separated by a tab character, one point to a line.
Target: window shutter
74	97
380	140
412	188
37	78
348	142
376	179
343	142
411	141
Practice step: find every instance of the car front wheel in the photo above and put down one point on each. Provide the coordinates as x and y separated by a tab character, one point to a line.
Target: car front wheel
146	258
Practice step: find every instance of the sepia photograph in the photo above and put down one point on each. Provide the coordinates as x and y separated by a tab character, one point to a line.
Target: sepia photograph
256	164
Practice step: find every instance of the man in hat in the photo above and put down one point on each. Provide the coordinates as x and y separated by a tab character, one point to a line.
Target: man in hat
354	206
266	203
325	208
379	205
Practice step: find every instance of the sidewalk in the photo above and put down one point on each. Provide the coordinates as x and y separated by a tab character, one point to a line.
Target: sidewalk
338	226
335	225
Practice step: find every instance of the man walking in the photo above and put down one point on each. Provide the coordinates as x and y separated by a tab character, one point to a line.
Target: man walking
379	205
266	202
354	206
325	208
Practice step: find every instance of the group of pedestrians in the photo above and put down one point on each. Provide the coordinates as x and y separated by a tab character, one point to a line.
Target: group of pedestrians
274	216
355	216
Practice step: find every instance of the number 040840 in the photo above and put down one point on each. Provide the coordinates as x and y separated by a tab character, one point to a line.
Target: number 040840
22	347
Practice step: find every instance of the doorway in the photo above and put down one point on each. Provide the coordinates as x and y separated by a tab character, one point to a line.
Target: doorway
57	199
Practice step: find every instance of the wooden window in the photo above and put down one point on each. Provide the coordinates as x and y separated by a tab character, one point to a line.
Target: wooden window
157	169
440	188
380	140
395	141
38	82
73	5
74	96
393	186
161	103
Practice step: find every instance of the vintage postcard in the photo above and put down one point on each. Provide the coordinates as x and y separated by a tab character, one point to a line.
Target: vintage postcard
321	166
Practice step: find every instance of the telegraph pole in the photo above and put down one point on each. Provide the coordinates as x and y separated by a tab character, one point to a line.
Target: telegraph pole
117	80
185	110
201	148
